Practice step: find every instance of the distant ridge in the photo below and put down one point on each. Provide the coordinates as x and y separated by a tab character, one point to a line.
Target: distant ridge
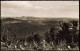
38	17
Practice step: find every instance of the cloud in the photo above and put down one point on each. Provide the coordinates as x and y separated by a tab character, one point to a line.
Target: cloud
19	4
40	8
15	4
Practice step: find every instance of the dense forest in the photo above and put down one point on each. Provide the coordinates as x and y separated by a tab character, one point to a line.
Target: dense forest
40	33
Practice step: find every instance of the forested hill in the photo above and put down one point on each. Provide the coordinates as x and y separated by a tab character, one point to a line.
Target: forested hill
25	25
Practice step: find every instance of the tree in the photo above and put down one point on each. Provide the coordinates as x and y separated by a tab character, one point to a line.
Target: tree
37	38
47	37
65	33
52	34
73	29
68	31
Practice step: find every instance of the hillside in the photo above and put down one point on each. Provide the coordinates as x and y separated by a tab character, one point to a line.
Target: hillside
24	27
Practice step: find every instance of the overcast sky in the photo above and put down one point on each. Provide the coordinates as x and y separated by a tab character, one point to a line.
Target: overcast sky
40	8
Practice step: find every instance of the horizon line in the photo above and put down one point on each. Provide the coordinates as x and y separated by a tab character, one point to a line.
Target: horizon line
34	17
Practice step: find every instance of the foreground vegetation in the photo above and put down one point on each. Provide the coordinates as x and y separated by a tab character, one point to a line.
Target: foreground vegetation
41	34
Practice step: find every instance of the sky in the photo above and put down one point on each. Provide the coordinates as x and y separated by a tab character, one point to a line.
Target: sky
52	9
